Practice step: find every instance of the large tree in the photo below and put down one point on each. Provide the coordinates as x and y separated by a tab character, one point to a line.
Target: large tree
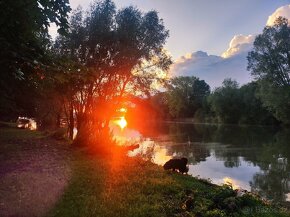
269	63
24	41
253	112
118	52
185	95
225	102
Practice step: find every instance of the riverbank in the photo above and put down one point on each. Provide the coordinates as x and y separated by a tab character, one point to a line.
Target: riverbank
117	185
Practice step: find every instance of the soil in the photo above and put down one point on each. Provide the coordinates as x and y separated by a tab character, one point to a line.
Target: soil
33	176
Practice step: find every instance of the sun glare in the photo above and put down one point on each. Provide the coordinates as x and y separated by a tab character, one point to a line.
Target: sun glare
123	110
122	122
229	181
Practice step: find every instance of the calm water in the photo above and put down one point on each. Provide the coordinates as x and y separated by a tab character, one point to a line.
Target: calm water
251	158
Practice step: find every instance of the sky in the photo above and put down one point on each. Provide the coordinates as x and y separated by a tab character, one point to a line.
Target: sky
209	38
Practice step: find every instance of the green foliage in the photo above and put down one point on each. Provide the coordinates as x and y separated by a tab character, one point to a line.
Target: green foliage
234	105
116	53
24	32
276	100
269	59
225	102
269	64
24	41
185	95
231	104
253	111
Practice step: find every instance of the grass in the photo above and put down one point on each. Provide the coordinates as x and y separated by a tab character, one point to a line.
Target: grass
119	186
14	140
8	131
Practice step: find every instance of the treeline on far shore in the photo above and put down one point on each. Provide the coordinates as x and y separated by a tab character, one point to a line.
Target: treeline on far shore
192	100
265	101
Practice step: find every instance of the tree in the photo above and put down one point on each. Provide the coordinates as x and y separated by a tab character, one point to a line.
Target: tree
185	95
160	103
225	102
24	29
24	42
275	99
234	105
253	111
269	63
118	52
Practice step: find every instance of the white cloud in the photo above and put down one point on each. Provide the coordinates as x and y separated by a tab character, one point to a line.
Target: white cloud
231	64
239	44
283	11
213	69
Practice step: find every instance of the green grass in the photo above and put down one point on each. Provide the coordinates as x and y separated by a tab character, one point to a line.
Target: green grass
119	186
13	140
9	131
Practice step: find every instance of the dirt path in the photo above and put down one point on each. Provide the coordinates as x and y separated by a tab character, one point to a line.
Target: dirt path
34	173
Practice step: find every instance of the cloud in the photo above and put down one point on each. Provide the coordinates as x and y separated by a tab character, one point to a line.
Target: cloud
239	44
214	69
231	64
283	11
211	68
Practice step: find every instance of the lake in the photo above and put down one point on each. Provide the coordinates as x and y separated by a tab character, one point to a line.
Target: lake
251	158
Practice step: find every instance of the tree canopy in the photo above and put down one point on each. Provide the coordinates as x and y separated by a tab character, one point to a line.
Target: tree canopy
185	95
24	43
269	63
112	53
225	102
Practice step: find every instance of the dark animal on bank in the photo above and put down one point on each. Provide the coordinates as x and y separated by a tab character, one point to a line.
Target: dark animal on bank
177	164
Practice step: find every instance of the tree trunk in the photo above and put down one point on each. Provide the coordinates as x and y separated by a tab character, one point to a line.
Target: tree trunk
58	121
82	134
71	124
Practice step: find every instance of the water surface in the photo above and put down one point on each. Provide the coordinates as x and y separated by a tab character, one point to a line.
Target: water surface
251	158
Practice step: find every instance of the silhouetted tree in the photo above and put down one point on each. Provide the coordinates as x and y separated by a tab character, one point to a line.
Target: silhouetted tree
269	63
24	41
118	52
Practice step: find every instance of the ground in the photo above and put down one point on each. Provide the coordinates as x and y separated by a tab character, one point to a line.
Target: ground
40	176
34	172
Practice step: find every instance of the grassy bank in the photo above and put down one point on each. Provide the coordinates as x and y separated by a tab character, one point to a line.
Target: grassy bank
117	185
121	186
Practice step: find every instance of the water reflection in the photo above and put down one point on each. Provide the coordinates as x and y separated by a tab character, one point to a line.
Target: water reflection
252	158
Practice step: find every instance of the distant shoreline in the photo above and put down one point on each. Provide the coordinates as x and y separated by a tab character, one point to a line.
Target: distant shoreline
191	121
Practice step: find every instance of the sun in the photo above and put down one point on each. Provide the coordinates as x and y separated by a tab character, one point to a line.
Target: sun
124	110
122	122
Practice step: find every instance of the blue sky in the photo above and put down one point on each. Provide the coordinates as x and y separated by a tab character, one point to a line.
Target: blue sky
210	39
206	25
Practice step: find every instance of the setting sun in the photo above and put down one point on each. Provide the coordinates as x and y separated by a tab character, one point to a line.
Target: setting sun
122	122
123	110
